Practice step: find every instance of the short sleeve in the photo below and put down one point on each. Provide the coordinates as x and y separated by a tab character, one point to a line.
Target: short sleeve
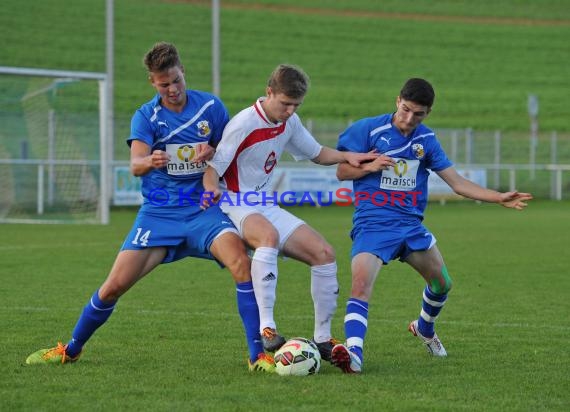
354	138
437	158
140	129
302	144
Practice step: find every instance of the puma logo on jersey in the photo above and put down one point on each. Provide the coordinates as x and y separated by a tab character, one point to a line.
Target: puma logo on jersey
386	139
161	123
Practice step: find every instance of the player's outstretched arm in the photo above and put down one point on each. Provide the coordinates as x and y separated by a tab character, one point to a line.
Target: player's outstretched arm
467	188
515	200
328	156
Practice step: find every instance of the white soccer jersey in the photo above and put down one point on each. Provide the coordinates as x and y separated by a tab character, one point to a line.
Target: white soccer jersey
252	145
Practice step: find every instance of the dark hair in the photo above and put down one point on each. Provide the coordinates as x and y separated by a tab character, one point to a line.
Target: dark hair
290	80
162	57
418	91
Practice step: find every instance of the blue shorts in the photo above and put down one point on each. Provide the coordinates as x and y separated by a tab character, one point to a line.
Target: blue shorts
394	240
184	231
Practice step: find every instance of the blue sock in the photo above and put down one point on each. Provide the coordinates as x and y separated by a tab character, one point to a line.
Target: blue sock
249	313
94	314
431	306
356	325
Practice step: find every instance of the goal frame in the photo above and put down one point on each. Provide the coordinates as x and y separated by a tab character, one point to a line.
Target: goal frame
104	135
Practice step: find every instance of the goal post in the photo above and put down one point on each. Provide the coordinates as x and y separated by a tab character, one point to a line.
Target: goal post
54	155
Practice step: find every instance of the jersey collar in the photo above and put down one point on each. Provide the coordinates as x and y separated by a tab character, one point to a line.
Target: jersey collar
261	112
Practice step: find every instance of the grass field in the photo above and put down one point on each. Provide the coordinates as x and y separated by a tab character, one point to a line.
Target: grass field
175	341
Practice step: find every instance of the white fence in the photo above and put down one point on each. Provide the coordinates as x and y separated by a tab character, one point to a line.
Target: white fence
303	178
508	161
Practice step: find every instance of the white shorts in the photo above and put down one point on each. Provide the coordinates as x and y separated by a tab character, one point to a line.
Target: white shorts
283	221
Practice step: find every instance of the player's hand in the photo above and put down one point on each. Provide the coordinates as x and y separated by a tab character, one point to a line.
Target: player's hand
159	159
382	162
209	198
356	159
515	200
203	152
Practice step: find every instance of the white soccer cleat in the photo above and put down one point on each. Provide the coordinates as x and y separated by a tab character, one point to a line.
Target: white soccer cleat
346	360
433	345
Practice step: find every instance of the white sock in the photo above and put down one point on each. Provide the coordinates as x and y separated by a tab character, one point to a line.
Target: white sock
324	290
264	277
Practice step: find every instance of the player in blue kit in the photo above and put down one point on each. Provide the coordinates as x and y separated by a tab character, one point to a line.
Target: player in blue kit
172	137
392	193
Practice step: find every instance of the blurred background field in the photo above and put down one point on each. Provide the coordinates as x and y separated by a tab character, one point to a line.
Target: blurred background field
483	58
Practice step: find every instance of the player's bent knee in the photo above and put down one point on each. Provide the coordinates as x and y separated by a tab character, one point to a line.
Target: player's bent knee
326	255
271	238
361	288
111	292
443	286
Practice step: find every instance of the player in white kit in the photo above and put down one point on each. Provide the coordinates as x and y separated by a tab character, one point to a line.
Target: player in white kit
252	144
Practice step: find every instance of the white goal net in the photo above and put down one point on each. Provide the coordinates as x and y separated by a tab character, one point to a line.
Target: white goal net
53	163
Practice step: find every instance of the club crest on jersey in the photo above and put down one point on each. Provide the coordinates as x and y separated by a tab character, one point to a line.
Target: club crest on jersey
401	167
203	128
418	150
270	163
185	153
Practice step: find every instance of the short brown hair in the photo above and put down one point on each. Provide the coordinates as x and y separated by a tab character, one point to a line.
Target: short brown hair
162	57
290	80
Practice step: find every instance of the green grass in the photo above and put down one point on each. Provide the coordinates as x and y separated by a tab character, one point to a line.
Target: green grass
175	341
484	58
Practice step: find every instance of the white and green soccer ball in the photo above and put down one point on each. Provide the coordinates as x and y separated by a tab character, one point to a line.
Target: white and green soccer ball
299	357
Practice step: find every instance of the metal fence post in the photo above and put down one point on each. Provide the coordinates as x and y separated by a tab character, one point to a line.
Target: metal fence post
468	145
497	159
554	174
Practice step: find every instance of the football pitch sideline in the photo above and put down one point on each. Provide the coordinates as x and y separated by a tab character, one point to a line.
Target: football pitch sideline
175	341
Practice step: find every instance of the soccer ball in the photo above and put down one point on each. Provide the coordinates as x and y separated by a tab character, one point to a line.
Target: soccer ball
298	356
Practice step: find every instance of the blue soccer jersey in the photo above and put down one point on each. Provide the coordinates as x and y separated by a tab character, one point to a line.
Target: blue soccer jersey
399	192
202	121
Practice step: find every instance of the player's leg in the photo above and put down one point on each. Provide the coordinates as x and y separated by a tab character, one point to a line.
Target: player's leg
429	264
261	236
228	248
129	267
307	245
365	268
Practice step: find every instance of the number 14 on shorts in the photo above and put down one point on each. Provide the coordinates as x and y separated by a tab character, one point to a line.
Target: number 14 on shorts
142	240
